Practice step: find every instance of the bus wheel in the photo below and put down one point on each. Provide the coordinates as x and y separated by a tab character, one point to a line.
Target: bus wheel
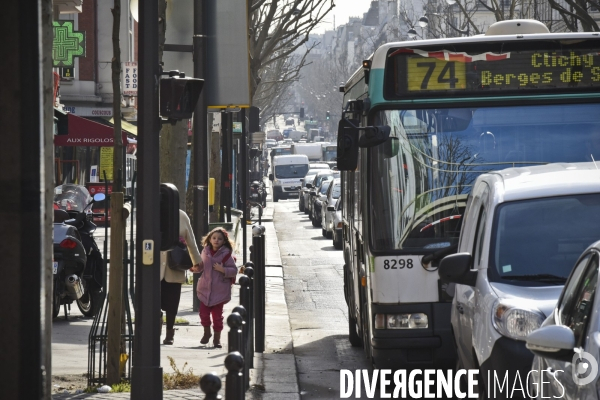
353	336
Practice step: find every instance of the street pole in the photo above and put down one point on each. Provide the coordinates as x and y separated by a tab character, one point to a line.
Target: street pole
225	164
244	179
147	373
200	138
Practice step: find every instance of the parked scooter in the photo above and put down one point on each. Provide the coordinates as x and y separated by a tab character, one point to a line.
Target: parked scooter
77	264
258	193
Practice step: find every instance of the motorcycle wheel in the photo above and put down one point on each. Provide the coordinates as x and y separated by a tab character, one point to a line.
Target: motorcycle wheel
87	303
55	300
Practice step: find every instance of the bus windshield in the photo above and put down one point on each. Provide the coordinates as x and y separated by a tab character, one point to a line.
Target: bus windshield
420	180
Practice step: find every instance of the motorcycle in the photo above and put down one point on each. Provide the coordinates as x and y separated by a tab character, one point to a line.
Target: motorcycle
258	193
77	262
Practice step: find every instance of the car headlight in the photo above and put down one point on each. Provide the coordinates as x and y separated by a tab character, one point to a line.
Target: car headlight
401	321
515	320
276	182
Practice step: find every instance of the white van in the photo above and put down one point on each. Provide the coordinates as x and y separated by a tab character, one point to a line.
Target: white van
288	172
522	232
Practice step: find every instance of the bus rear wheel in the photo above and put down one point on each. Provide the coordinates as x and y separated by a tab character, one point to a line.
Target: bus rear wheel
353	336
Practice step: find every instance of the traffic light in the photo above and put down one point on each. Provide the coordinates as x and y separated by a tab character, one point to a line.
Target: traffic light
327	115
178	96
301	113
311	119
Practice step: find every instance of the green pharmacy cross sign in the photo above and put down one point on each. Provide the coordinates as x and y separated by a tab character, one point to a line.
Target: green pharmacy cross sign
67	44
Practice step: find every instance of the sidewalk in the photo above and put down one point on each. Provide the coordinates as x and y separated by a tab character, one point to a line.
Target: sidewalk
274	375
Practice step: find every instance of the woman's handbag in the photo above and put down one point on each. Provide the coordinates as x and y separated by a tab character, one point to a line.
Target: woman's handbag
178	258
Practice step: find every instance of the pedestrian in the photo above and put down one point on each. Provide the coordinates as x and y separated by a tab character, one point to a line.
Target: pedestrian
214	286
171	280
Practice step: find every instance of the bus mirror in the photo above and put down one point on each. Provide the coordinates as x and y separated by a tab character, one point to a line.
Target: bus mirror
347	145
391	147
374	135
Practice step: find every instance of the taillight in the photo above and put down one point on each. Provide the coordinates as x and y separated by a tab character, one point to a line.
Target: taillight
68	244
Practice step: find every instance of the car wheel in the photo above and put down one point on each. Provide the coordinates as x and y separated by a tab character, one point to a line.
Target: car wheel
337	242
316	223
328	234
301	204
275	198
323	232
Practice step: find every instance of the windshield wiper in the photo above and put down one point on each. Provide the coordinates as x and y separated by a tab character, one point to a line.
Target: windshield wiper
547	278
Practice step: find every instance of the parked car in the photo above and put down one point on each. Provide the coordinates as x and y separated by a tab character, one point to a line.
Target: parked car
303	195
523	229
317	202
312	187
572	329
338	224
270	143
331	197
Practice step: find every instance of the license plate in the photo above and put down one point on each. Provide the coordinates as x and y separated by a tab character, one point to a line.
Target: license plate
54	267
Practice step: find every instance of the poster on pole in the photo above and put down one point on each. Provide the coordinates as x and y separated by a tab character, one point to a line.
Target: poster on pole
106	162
227	81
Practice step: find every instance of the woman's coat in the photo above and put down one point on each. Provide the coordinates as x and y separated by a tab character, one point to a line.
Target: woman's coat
186	232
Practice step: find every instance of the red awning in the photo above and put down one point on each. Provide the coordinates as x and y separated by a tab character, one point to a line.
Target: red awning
83	132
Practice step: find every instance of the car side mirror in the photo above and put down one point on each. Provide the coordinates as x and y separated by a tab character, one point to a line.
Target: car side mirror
271	177
330	208
552	341
456	268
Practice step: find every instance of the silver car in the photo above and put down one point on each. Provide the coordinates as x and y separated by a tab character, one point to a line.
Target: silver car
333	193
567	346
338	224
522	231
312	187
317	204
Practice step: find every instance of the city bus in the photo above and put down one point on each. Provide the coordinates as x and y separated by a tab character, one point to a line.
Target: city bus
420	121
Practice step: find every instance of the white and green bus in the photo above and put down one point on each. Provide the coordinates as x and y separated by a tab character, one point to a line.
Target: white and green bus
421	120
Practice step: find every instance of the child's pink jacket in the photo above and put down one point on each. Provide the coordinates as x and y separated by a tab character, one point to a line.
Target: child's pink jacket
213	286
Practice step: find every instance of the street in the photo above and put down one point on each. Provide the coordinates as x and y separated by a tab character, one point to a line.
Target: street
313	280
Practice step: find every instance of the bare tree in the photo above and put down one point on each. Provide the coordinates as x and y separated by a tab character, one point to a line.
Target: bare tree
278	28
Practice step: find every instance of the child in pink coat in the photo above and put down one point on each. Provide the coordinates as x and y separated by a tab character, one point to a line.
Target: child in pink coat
214	286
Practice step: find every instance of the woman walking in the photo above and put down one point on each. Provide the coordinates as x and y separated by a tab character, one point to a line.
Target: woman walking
171	280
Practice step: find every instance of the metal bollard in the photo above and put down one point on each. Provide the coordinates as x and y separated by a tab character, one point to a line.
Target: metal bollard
249	272
210	384
234	362
241	309
258	242
234	337
244	328
243	347
246	301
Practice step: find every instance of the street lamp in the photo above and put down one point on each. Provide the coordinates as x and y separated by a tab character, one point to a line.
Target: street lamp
412	34
423	22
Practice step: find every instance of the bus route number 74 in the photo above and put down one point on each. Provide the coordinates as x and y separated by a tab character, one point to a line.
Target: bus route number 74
434	74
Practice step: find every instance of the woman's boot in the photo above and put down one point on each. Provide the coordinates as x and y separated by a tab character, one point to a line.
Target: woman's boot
170	334
206	336
217	340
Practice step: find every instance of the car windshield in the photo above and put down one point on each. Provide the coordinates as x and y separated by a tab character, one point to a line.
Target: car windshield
319	179
291	171
542	237
425	173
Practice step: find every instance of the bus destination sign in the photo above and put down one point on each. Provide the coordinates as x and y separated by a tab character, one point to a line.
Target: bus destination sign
530	70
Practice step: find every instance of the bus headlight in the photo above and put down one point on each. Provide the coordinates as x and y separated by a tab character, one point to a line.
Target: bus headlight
401	321
515	321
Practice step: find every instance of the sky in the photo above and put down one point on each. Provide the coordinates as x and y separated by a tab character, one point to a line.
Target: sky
343	10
